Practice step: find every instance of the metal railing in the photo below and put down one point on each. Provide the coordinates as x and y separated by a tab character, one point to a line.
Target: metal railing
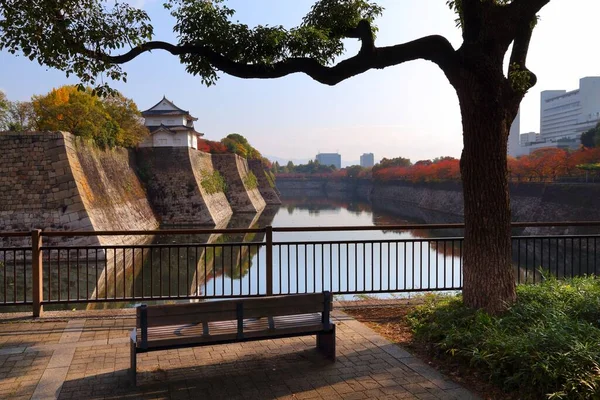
37	269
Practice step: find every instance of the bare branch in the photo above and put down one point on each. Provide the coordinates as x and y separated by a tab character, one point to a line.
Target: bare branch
526	9
432	48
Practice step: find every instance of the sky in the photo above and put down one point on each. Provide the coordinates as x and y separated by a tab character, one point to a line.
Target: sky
408	110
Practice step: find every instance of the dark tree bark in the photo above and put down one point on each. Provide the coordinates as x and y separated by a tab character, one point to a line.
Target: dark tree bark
488	276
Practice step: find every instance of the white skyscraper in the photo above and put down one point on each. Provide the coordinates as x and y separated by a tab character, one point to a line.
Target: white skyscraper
566	115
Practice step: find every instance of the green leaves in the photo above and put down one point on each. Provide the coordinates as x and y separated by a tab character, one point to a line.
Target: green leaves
210	24
64	34
545	346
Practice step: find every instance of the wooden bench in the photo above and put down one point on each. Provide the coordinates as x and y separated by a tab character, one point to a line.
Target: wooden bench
205	324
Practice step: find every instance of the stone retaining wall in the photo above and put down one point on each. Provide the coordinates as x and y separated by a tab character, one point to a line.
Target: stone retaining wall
235	170
268	192
173	177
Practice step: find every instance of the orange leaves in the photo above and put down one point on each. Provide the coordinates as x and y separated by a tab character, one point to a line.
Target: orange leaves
551	163
443	169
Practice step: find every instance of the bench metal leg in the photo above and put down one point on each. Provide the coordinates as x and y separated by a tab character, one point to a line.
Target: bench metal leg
326	344
133	366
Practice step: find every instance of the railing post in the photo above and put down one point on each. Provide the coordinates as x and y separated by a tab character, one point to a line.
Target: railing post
269	239
37	288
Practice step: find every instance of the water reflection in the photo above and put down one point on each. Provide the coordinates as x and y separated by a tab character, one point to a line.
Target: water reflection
217	265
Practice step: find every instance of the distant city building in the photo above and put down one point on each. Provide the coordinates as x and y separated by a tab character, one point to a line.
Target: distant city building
334	159
367	160
529	138
514	142
566	115
170	126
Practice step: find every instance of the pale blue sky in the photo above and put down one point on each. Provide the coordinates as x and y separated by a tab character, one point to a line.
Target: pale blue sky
408	110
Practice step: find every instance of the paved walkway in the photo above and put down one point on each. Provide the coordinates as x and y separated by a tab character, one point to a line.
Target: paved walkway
88	358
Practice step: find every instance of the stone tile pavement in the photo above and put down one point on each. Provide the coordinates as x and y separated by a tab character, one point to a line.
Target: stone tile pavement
85	358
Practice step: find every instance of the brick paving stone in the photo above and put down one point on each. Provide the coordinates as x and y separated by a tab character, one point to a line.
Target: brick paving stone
94	361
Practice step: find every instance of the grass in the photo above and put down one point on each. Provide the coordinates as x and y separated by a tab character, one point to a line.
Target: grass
547	345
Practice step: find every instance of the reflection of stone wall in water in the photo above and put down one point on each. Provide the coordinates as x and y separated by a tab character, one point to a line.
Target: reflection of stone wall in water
235	170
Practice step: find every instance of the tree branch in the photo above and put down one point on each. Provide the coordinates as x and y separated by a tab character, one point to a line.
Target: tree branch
526	9
432	48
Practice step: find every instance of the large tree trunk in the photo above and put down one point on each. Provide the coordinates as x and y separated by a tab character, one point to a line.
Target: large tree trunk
488	276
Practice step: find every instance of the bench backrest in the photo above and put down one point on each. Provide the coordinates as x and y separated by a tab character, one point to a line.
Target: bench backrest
227	310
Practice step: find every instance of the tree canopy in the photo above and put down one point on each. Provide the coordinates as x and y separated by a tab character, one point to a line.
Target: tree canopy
110	121
591	138
93	38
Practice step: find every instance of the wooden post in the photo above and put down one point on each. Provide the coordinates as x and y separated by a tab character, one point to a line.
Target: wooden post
37	288
269	239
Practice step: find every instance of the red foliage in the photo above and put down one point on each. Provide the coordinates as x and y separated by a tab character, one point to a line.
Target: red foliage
422	171
209	146
548	164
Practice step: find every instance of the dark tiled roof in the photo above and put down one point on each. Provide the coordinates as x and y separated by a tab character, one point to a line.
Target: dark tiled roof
177	111
173	129
164	112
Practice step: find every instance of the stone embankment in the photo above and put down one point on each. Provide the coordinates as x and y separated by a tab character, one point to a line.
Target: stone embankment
173	177
443	201
242	185
57	182
267	189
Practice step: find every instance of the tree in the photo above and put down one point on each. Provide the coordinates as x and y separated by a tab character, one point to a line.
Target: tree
591	138
3	110
84	37
20	116
392	162
125	114
111	121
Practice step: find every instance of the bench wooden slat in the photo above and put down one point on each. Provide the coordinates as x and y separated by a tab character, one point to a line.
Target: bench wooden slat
191	340
177	319
228	327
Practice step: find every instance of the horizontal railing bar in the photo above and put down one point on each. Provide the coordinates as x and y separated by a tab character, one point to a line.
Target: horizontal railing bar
146	298
16	303
556	237
290	229
152	246
427	226
150	232
12	249
450	239
15	234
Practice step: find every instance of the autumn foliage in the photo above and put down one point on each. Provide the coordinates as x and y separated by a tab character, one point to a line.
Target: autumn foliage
442	169
110	121
544	165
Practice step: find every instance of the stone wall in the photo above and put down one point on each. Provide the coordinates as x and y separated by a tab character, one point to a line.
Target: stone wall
37	187
173	178
111	192
235	171
442	202
268	192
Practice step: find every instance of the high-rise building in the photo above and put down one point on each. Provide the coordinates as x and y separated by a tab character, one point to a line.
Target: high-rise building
367	160
566	115
514	145
334	159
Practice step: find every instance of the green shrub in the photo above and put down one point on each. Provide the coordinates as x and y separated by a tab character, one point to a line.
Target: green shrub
250	181
546	346
213	182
